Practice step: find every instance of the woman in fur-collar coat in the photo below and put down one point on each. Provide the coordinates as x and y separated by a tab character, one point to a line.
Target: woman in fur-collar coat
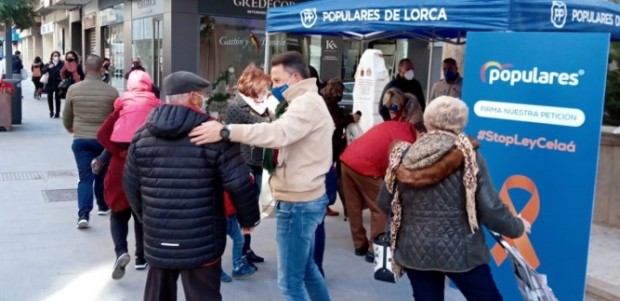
444	195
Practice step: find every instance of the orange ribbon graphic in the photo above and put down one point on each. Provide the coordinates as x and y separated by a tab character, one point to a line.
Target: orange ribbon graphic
529	212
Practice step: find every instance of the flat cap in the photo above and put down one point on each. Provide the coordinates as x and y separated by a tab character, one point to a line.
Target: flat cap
182	82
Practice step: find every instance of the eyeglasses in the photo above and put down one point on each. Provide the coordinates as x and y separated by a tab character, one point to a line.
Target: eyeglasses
70	59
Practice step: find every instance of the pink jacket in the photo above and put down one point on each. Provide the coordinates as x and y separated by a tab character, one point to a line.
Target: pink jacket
134	106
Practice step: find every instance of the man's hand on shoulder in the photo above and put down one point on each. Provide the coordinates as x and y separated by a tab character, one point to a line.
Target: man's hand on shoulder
208	132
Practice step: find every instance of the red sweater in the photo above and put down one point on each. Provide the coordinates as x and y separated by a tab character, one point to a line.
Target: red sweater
368	154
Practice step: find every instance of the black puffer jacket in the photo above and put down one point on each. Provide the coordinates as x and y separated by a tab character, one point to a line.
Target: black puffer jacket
176	188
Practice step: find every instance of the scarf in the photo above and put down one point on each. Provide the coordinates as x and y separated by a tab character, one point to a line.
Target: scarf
258	107
426	151
270	157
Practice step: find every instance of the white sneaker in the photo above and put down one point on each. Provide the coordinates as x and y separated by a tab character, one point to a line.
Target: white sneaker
82	223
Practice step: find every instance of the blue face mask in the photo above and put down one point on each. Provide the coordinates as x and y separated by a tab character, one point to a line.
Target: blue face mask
278	92
449	75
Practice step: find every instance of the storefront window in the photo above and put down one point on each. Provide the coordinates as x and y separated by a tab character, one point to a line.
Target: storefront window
228	42
113	48
147	42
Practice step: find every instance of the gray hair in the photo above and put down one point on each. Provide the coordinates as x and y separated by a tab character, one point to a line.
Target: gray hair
93	63
446	113
178	99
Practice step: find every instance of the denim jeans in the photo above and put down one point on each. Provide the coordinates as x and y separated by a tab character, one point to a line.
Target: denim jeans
299	278
84	151
234	231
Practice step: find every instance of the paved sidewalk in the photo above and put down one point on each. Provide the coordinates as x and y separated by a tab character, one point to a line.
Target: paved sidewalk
45	258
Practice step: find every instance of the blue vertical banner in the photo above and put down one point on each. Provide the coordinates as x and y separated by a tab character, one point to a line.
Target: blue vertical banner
536	104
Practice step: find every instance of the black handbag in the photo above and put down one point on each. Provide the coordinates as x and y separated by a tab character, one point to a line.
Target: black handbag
65	83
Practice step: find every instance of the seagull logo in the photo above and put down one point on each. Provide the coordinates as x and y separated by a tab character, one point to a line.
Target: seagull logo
485	67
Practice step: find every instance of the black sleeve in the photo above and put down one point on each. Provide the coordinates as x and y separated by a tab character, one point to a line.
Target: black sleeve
234	174
419	94
155	90
81	72
383	110
131	181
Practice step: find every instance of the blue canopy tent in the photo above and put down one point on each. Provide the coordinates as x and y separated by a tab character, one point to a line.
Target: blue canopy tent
440	20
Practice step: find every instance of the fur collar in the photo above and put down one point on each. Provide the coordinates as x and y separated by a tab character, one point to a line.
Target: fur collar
444	167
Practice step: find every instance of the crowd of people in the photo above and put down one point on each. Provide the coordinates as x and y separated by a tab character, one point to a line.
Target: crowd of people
189	180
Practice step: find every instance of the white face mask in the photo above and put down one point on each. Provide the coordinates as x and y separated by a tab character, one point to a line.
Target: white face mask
55	59
409	75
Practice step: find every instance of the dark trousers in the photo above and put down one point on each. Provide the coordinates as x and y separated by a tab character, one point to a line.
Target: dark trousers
200	284
476	285
257	172
53	97
119	226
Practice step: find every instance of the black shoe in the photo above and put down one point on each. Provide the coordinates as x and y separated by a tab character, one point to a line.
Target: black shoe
252	257
361	251
370	257
119	266
57	115
141	263
51	114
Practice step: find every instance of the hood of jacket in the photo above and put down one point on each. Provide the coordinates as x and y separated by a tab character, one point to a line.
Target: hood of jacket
448	164
174	121
139	81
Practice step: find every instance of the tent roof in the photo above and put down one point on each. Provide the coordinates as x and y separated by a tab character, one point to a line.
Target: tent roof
443	19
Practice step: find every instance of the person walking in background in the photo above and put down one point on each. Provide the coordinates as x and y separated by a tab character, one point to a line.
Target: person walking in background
364	163
451	83
249	107
52	69
445	196
17	65
88	105
405	82
176	189
105	71
130	112
70	73
136	64
37	73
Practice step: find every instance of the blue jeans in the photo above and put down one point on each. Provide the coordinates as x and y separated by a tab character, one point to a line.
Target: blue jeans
299	278
84	151
234	231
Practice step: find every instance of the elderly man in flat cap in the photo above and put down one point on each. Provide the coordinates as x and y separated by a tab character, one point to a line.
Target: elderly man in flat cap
176	188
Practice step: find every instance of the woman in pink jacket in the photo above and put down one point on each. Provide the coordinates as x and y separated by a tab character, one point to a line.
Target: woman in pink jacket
116	133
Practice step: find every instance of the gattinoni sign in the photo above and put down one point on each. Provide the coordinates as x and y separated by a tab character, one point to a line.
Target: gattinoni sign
243	8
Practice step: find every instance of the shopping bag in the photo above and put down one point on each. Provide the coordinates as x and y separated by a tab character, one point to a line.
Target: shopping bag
532	285
45	78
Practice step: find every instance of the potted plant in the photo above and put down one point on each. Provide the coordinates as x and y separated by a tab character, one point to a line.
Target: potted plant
6	94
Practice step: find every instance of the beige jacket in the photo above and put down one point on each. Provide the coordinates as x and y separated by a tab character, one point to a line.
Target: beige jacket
303	136
89	103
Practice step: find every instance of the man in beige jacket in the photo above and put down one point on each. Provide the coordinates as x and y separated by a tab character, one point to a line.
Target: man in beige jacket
89	103
302	136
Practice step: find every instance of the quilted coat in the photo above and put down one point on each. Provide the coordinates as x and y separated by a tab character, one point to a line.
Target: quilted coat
176	188
435	234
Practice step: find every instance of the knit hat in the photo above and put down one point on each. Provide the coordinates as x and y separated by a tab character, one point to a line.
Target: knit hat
446	113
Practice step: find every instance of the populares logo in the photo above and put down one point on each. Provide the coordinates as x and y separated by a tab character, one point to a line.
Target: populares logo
493	72
308	17
558	14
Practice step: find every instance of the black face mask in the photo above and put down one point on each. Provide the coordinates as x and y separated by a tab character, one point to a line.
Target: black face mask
136	65
70	60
